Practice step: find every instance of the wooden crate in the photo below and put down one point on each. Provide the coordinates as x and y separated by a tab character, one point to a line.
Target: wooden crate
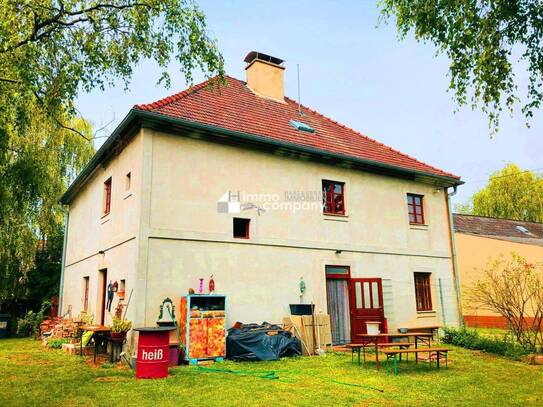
301	326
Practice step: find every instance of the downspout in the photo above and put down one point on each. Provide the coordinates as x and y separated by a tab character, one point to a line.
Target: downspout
63	262
453	253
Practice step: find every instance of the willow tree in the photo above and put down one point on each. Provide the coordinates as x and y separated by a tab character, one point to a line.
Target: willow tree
483	39
511	193
51	50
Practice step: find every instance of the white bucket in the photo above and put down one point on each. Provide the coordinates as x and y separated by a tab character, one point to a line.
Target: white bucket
372	328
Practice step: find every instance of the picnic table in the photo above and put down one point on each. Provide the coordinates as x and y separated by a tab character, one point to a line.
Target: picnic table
433	329
438	352
368	340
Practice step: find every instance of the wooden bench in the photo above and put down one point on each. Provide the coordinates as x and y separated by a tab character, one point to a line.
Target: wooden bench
438	352
356	347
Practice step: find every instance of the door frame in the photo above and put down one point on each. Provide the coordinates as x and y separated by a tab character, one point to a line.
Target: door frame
345	277
102	289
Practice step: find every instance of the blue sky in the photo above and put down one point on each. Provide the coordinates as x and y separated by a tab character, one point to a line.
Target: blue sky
356	72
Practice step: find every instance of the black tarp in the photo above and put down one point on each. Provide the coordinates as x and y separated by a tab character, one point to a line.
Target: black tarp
251	342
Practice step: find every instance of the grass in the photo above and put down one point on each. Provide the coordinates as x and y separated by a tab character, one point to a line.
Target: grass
32	375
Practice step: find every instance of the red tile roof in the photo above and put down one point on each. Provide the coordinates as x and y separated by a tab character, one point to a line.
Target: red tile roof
236	108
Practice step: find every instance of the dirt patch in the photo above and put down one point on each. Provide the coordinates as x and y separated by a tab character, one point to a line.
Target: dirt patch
19	359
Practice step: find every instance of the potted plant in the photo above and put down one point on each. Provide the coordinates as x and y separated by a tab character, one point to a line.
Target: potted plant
120	327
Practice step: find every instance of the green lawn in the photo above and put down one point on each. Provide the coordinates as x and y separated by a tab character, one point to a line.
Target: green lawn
32	375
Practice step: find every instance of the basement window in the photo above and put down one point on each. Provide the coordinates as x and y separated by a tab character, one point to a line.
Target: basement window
241	228
302	126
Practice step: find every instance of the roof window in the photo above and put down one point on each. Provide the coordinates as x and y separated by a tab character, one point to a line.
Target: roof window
522	229
302	126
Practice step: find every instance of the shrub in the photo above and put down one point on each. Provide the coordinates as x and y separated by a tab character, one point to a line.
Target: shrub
471	339
29	325
56	343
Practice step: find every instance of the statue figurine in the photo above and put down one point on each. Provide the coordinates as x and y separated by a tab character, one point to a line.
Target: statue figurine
201	288
211	285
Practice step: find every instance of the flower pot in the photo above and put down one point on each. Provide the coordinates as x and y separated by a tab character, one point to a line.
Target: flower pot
118	335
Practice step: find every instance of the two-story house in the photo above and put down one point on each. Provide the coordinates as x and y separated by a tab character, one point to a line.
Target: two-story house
246	185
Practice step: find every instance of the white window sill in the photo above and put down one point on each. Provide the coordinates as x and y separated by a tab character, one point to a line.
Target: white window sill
426	314
337	218
415	226
105	219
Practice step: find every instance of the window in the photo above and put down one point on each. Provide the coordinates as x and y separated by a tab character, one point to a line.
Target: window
415	209
333	197
107	196
128	181
423	292
85	293
241	228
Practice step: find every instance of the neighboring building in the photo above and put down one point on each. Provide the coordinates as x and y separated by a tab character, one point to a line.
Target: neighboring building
479	239
230	182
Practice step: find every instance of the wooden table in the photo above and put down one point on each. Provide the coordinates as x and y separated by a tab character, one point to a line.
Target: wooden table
433	329
98	332
368	340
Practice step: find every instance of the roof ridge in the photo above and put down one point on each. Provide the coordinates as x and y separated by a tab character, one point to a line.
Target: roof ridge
176	96
372	139
495	218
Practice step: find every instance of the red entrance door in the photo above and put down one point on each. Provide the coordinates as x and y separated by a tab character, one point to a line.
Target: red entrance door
366	304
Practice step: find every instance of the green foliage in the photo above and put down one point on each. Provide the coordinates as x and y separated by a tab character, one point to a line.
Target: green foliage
49	51
29	325
471	339
120	325
511	193
481	38
56	343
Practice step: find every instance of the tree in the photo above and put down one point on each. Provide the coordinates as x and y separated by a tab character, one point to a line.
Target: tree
49	51
514	289
481	38
511	193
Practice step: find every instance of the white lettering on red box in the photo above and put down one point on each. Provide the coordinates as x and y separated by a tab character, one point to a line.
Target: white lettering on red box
156	354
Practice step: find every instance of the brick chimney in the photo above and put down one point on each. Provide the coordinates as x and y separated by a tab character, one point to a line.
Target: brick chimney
265	75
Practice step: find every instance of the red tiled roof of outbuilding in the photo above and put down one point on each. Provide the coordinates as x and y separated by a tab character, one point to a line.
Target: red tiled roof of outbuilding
235	107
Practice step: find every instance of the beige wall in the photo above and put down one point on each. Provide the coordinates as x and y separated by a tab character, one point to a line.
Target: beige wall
473	254
190	239
168	233
90	232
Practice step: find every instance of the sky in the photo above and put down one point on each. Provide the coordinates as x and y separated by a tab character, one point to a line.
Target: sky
354	70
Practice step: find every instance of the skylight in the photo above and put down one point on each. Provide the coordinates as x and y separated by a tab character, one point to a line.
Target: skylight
522	229
302	126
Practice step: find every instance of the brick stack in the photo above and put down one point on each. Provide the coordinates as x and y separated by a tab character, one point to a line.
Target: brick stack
64	328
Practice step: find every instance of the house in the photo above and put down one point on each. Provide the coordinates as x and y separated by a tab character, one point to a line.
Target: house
244	184
481	238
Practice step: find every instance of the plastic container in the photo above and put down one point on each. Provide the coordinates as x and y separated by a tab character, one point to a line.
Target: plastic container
153	352
372	328
301	309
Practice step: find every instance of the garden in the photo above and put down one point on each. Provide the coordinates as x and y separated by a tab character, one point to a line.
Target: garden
32	374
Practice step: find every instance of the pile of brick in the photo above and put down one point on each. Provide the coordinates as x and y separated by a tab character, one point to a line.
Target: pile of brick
62	328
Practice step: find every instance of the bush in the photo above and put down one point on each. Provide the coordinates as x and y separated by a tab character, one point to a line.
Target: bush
471	339
29	325
56	343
